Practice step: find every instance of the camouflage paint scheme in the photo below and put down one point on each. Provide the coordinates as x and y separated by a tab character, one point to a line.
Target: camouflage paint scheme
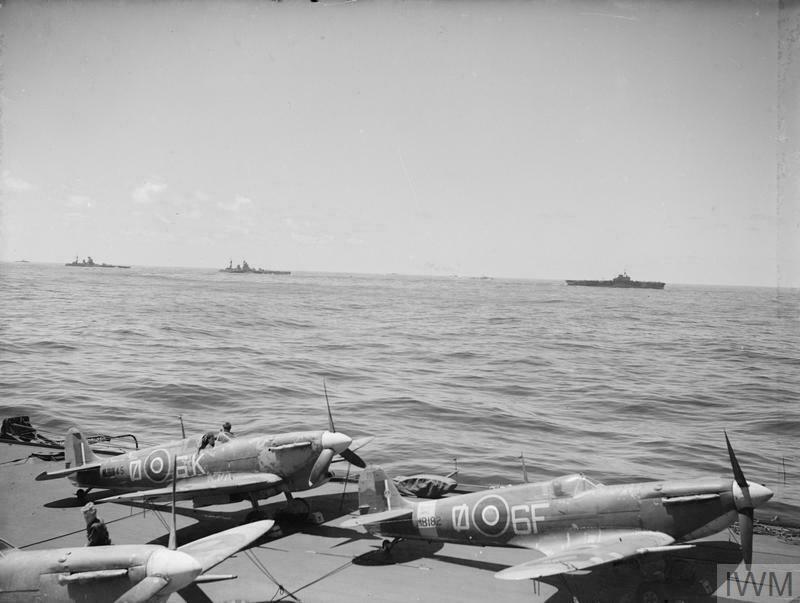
572	521
131	572
255	467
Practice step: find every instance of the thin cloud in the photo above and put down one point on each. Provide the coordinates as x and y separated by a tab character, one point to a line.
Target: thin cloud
17	185
235	205
79	201
148	192
306	233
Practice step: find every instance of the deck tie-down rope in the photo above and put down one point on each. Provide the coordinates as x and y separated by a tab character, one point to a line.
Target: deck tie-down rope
263	569
80	531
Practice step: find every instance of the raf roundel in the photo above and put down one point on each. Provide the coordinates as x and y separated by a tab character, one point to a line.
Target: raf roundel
156	465
490	515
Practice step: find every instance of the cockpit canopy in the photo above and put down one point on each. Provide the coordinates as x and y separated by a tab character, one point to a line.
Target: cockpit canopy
562	487
572	485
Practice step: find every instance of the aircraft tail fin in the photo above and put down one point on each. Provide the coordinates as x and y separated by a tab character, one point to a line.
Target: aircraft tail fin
77	451
377	492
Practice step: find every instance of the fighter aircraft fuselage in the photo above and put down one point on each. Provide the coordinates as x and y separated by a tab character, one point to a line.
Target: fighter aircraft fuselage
54	574
290	456
531	512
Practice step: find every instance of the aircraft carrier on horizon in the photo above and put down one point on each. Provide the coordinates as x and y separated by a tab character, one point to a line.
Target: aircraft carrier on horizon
622	281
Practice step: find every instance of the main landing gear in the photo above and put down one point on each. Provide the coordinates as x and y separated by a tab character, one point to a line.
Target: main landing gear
296	509
256	514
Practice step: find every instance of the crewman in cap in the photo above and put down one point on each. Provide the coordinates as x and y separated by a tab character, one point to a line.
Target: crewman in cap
96	532
225	434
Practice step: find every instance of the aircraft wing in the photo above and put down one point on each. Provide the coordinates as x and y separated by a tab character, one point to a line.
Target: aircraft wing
216	483
213	550
612	546
376	518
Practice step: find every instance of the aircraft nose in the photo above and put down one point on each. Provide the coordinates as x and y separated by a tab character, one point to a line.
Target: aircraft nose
759	494
338	442
177	567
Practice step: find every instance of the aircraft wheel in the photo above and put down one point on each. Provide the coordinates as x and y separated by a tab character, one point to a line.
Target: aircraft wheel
82	496
650	592
386	546
297	509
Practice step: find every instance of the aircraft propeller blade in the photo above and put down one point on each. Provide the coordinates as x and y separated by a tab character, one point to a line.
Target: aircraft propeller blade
746	529
144	590
347	454
352	458
320	467
738	474
328	404
173	536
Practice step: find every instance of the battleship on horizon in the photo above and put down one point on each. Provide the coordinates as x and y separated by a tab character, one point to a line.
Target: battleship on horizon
90	263
245	268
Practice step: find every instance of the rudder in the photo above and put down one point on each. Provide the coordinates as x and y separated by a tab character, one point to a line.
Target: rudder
377	492
76	451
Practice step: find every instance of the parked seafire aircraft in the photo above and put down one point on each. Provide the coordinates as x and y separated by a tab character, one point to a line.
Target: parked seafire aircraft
252	468
126	572
573	522
129	573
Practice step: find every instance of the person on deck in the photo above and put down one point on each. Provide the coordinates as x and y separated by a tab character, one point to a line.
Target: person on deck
225	434
208	439
96	531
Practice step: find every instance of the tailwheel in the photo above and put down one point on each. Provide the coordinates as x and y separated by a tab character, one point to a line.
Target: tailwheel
82	495
387	545
650	592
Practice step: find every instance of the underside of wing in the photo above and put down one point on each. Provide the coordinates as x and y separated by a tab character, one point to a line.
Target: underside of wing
377	518
217	483
214	549
613	546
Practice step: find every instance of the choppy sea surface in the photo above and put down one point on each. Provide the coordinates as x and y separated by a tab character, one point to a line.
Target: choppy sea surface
621	384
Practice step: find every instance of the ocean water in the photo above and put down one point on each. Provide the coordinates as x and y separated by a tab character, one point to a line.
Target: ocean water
619	384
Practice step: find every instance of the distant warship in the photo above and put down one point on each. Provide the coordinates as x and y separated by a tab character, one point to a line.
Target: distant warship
244	267
90	263
621	280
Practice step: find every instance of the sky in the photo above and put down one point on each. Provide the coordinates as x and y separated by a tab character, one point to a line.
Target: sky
506	138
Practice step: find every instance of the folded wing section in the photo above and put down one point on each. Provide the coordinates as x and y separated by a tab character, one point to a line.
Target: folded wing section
214	549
